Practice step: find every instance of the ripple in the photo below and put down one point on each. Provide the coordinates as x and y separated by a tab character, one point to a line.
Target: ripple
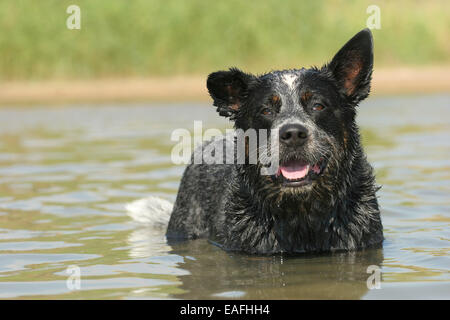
16	289
16	262
35	245
66	174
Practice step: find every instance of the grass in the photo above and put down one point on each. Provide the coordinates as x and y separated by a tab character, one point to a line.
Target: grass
149	37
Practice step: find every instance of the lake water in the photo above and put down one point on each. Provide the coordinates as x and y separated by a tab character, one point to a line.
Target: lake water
66	174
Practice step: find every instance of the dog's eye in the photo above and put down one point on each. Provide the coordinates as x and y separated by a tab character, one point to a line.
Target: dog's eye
266	112
318	107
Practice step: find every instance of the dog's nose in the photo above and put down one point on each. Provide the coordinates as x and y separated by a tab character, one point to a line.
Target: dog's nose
293	134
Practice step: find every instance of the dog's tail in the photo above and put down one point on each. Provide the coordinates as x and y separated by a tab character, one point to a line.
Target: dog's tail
151	211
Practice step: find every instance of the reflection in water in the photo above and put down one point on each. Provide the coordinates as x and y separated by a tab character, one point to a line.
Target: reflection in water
66	175
211	272
147	242
214	273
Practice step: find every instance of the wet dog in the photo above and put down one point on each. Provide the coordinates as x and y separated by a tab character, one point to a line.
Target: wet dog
323	195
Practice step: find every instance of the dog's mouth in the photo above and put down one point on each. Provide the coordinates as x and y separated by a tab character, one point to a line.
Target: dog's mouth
296	173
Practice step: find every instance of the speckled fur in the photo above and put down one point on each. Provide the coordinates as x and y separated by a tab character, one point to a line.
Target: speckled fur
237	208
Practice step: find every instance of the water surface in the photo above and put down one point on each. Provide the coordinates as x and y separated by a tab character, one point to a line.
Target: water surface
66	174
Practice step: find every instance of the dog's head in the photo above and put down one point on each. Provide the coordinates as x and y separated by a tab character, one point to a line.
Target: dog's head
312	110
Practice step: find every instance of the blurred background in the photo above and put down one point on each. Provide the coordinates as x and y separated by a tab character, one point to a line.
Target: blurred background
163	50
86	117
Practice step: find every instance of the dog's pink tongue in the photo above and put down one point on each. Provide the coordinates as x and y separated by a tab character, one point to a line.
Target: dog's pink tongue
294	170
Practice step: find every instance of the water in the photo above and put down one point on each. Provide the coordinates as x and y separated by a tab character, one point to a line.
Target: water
67	173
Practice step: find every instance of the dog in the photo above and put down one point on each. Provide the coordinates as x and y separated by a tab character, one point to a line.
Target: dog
322	197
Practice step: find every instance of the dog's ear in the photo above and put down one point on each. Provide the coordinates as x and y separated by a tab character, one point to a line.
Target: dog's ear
229	89
352	66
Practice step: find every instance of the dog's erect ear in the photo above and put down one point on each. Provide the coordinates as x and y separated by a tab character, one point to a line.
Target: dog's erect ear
352	66
229	89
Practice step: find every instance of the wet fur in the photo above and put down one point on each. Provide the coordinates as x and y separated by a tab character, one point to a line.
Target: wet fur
237	208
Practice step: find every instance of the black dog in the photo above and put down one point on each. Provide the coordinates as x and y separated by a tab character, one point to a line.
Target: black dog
323	196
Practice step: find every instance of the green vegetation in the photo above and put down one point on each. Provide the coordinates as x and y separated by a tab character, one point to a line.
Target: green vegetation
150	37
